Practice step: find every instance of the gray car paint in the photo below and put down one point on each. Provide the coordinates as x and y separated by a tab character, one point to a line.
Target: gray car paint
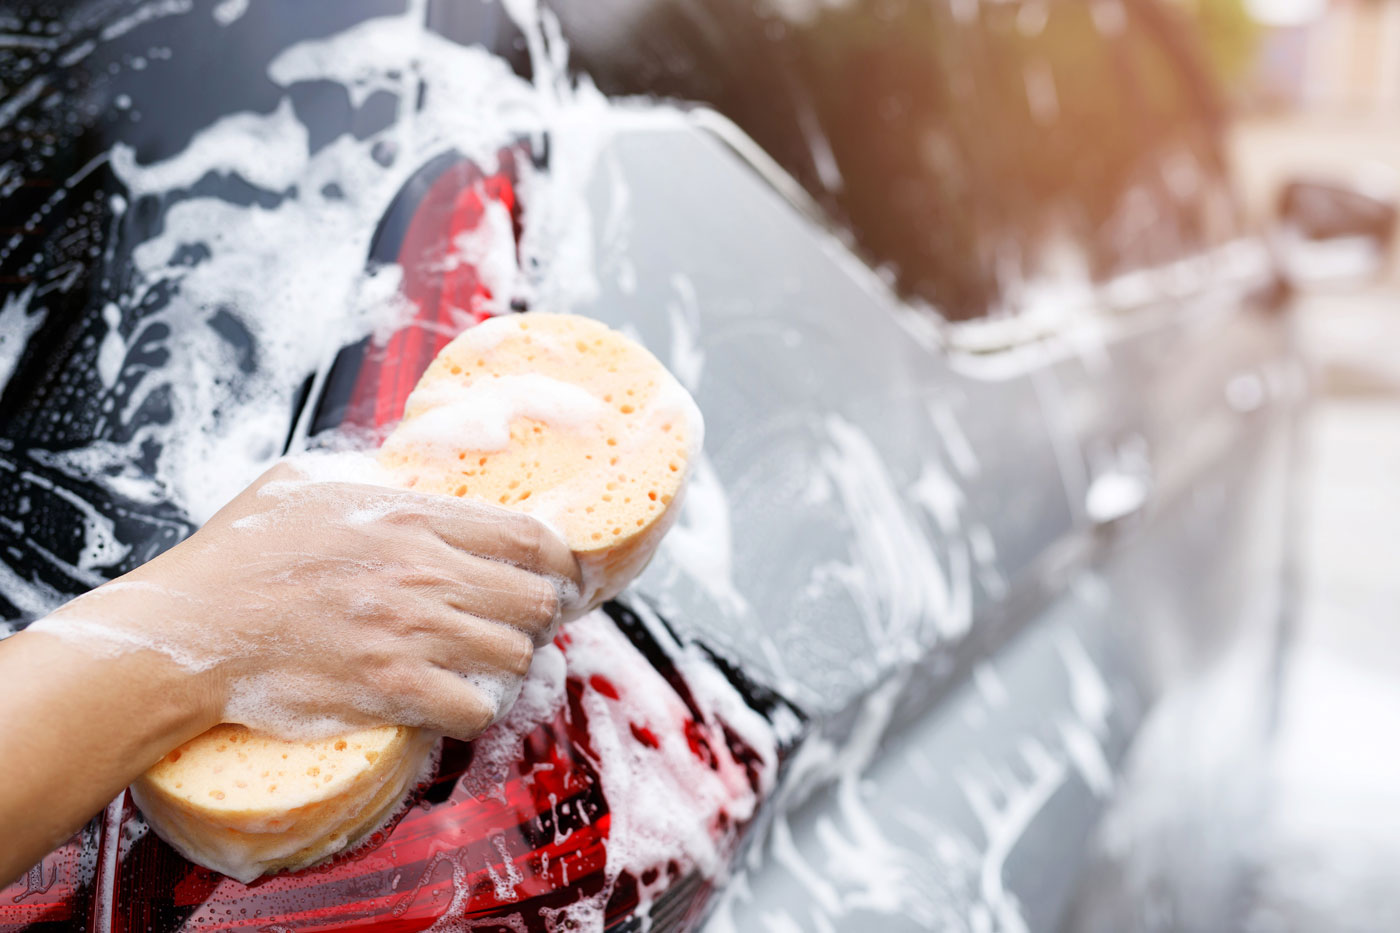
1002	723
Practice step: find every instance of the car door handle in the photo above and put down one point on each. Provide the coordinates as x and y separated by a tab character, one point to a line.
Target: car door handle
1113	495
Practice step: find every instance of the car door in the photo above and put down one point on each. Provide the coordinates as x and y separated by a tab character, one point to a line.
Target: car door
887	536
1203	568
1067	263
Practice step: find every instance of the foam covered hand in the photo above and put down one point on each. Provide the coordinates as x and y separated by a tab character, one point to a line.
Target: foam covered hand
313	606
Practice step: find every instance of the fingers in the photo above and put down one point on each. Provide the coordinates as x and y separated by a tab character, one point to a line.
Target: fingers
451	704
438	576
501	535
471	645
502	593
472	527
433	605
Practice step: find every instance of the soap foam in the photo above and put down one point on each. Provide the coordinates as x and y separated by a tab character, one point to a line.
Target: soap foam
17	325
478	416
85	624
496	751
667	804
103	640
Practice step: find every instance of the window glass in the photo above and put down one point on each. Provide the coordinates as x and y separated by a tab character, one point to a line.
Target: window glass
1183	123
897	117
981	153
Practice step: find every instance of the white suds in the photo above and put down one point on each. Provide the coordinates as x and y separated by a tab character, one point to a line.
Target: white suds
701	543
346	466
31	597
478	416
228	11
667	802
17	324
103	639
266	150
893	575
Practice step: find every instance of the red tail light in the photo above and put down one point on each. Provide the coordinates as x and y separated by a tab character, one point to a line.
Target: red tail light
56	893
447	290
518	826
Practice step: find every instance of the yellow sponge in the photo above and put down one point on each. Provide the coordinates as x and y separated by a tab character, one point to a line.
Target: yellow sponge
561	417
245	803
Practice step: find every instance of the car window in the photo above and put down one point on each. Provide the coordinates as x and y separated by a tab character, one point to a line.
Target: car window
981	154
1106	152
863	103
899	121
1171	87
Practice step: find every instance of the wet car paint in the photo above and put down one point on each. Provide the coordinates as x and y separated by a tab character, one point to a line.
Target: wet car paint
1027	662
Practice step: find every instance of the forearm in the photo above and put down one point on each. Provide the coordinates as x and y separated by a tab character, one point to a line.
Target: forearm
78	728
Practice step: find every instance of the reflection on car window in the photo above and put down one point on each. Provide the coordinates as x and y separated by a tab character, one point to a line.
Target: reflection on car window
978	152
887	94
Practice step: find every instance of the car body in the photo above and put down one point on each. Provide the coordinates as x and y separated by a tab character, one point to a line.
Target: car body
998	390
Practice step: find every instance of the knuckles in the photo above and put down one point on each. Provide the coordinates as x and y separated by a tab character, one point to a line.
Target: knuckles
524	537
521	654
548	605
404	684
471	715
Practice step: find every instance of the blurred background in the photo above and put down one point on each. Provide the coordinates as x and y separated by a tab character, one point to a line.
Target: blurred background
1316	87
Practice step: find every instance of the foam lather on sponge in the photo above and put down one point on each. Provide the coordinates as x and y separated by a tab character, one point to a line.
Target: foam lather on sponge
550	414
561	417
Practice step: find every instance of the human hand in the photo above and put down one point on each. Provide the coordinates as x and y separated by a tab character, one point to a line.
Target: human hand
310	608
